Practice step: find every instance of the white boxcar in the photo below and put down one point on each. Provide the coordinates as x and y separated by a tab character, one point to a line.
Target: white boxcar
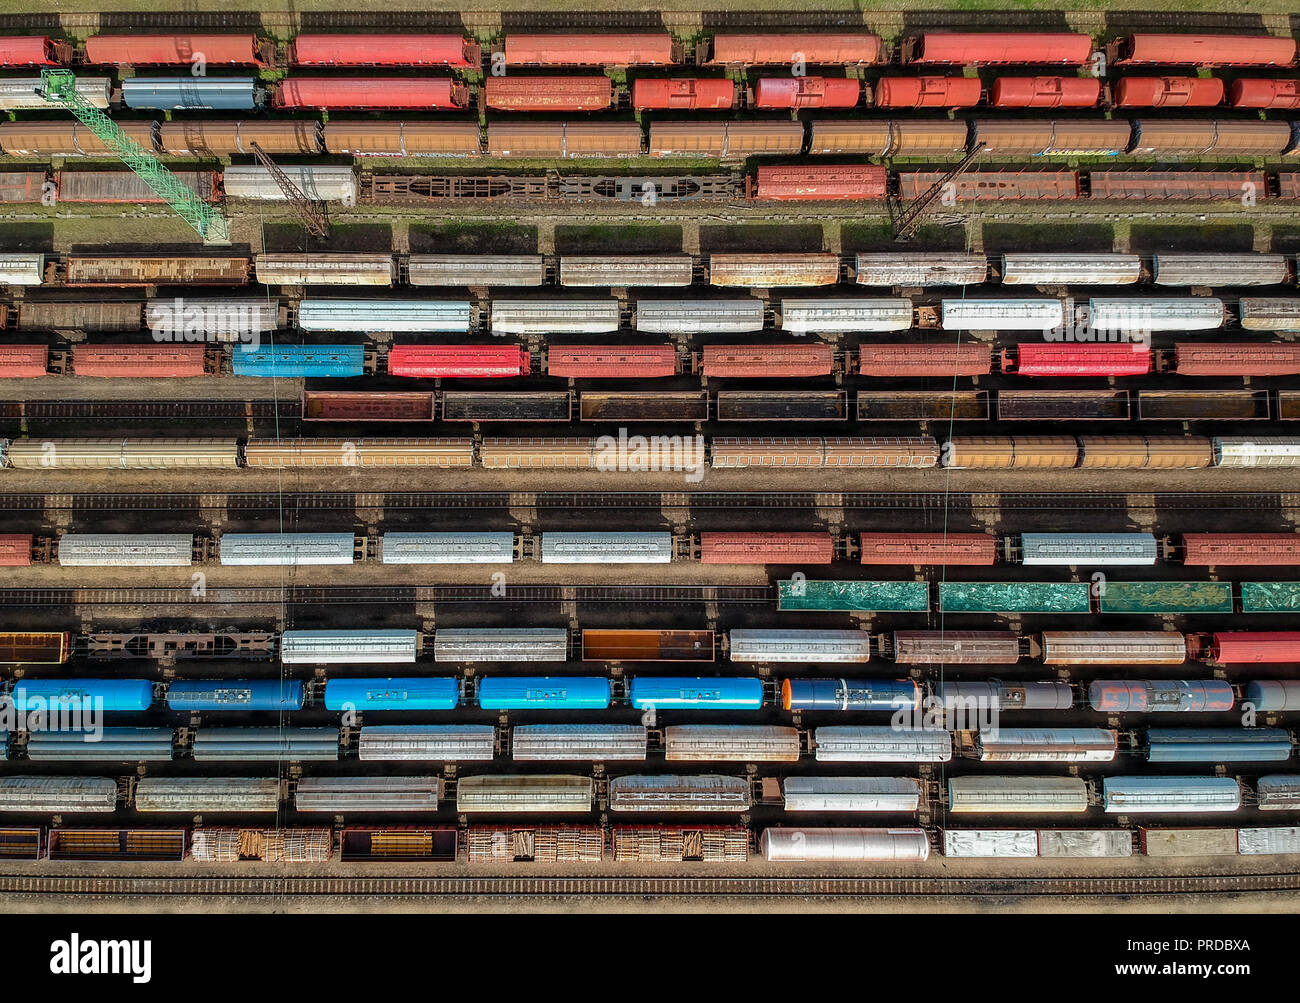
397	316
804	316
262	744
21	269
1046	745
1017	795
1274	839
1066	549
1085	843
118	454
126	550
731	316
286	549
920	269
745	743
524	794
1219	269
325	268
1070	269
627	270
476	270
899	794
882	744
1001	315
990	843
555	316
679	793
348	647
1188	842
568	742
57	794
412	743
1135	795
757	644
1269	313
319	183
833	845
367	794
184	318
501	644
447	548
24	93
1278	792
1186	313
207	794
1256	451
607	548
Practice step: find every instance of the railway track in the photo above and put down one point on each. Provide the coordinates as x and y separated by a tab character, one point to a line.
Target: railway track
242	502
643	887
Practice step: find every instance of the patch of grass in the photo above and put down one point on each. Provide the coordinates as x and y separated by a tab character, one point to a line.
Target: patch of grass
1048	237
472	238
789	238
1147	238
618	239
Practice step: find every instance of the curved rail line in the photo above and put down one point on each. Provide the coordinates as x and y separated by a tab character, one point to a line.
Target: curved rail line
642	887
924	501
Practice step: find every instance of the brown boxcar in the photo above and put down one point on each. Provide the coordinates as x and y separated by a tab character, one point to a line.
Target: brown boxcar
16	549
779	361
1217	137
767	451
1198	358
547	453
99	315
1051	137
35	647
1174	185
880	451
889	138
987	186
360	452
24	361
1241	549
68	139
967	358
22	186
821	182
563	140
928	548
403	139
344	405
127	186
726	140
131	361
767	548
220	139
768	270
600	645
1004	452
965	647
95	270
752	49
554	94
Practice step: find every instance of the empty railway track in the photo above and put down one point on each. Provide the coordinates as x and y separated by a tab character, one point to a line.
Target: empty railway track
506	887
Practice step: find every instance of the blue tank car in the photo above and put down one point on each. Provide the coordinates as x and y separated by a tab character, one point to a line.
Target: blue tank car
555	692
119	695
716	693
850	694
235	694
296	361
1218	745
403	693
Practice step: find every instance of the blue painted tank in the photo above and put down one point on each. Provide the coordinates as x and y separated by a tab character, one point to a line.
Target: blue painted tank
394	693
1218	745
217	93
850	694
560	692
122	695
292	361
716	693
235	694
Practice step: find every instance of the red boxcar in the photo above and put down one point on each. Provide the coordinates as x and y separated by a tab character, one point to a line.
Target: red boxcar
683	94
966	358
590	50
1175	184
928	548
1258	647
1241	549
806	92
989	185
823	182
1206	50
549	93
766	548
1226	358
33	50
1168	92
173	50
611	361
15	550
767	360
344	405
928	92
1264	93
964	48
770	50
126	361
458	360
1077	359
1045	92
385	50
24	361
413	93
